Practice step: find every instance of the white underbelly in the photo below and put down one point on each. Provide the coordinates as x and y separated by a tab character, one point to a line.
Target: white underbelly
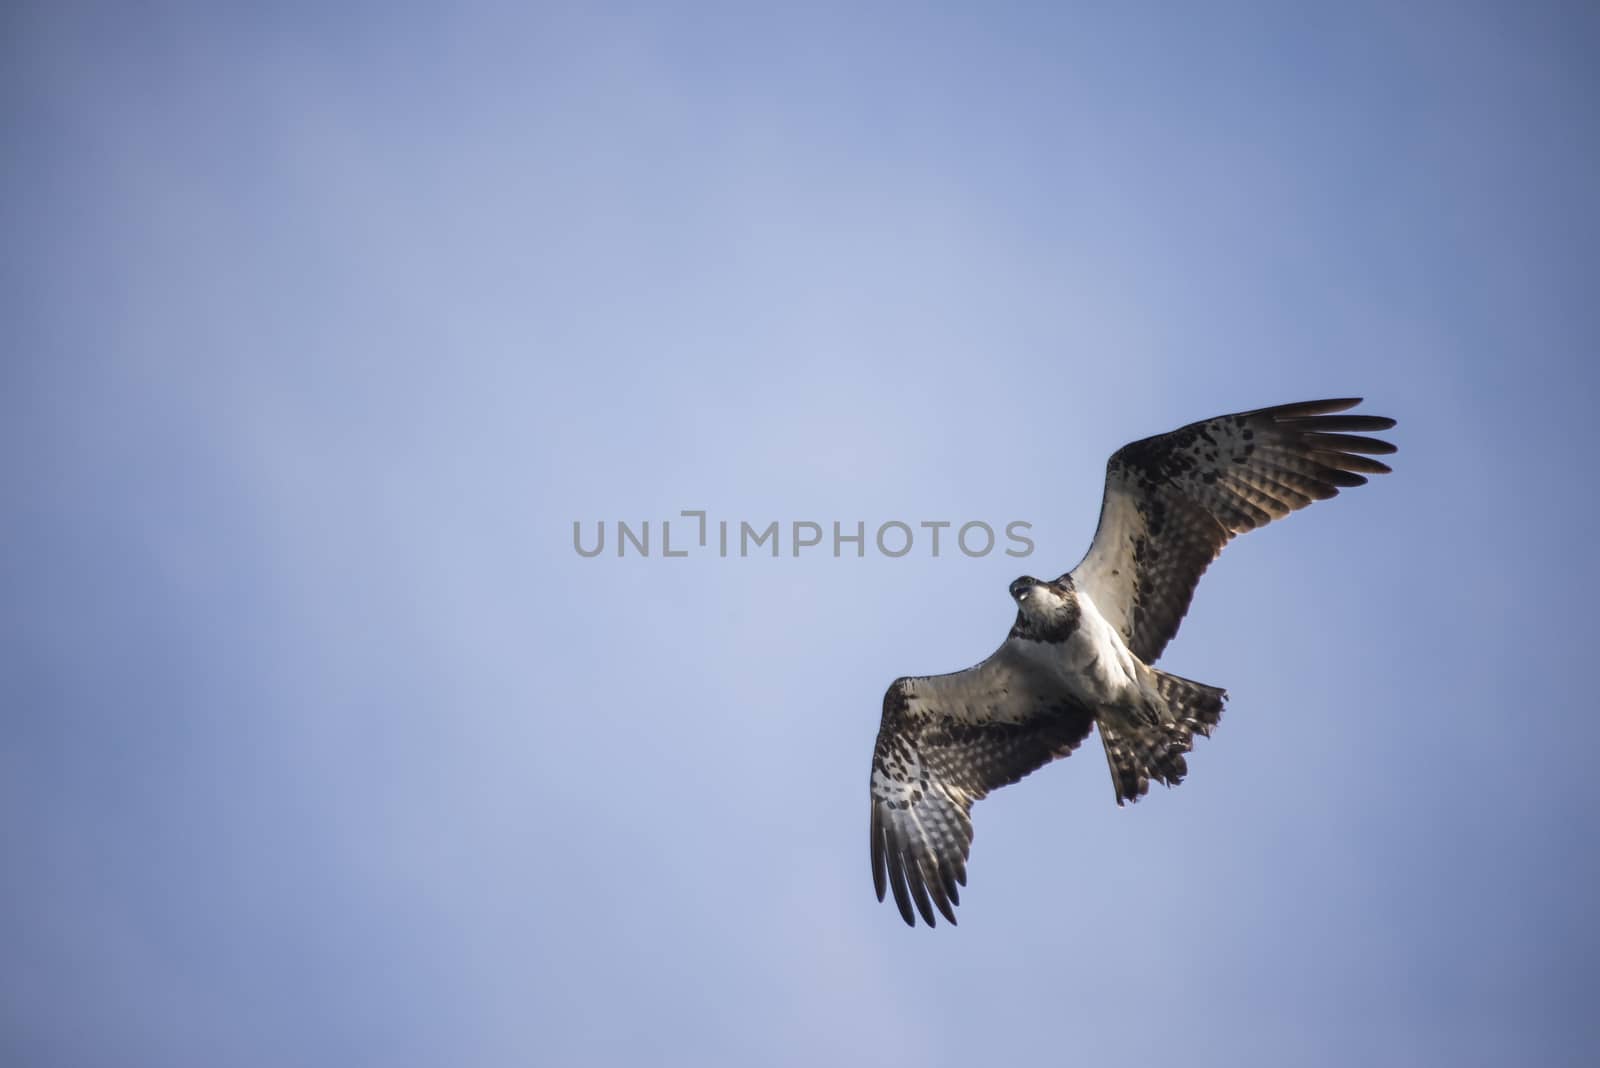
1093	664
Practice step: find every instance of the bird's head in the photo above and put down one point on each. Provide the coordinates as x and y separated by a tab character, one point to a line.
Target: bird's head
1038	599
1023	587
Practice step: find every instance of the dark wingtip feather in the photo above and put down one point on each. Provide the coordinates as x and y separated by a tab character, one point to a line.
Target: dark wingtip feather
897	883
941	899
919	892
1349	443
1302	409
1336	423
1346	461
1342	479
947	876
878	883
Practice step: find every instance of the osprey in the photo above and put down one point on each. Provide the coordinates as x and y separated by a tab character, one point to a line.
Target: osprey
1080	651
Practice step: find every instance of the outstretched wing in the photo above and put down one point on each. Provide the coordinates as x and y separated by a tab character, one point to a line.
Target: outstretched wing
946	741
1173	501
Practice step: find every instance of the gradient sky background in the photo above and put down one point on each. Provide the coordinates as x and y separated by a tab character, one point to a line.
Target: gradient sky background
322	747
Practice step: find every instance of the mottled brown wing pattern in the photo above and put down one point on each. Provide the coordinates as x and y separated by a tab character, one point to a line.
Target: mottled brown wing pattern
945	741
1172	502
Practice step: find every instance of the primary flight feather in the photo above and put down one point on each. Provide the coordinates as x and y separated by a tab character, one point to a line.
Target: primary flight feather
1079	653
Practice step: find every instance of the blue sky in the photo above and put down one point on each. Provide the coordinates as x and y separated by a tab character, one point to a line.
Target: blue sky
324	747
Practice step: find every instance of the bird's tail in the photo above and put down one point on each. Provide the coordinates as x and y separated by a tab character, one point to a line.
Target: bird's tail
1139	749
1193	704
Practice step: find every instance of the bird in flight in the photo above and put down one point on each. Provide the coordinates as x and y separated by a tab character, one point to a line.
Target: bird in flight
1080	651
